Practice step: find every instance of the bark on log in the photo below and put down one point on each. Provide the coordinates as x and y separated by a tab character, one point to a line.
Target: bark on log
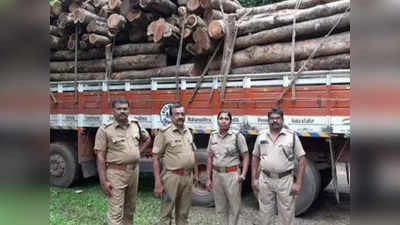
99	40
89	7
114	5
182	11
105	11
73	6
57	43
169	71
340	61
165	7
227	5
194	20
281	52
140	18
316	27
99	3
268	22
124	63
201	38
71	42
65	20
98	27
212	14
84	16
53	30
98	53
116	23
160	29
57	8
290	4
71	76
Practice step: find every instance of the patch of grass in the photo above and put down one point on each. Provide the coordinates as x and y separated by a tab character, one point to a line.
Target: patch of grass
89	207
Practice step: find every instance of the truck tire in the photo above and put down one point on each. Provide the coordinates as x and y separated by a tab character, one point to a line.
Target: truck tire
64	167
200	195
310	188
326	177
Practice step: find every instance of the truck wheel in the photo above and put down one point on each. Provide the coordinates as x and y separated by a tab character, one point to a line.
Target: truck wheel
310	188
200	195
63	164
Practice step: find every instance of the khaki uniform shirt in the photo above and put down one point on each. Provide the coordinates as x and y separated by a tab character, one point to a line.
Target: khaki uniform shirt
278	156
226	150
175	149
120	143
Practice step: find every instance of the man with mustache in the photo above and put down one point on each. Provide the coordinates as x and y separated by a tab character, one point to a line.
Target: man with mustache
175	150
118	145
276	150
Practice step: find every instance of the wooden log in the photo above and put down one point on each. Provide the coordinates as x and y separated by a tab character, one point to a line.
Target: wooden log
137	34
160	29
194	7
165	7
57	8
105	11
98	40
83	16
168	71
124	63
114	5
194	20
99	3
182	2
182	11
87	5
281	52
71	42
340	61
290	4
116	23
73	6
80	76
312	28
227	5
139	18
98	53
216	29
268	22
65	20
212	14
56	31
201	38
98	27
57	43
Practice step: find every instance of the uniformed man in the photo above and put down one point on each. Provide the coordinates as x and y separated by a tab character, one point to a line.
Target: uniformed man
175	149
276	150
224	150
118	146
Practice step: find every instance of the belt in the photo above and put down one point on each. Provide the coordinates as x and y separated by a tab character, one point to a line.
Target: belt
225	169
181	172
120	166
277	175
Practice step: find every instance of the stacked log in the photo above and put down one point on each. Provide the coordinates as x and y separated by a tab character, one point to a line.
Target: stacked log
145	37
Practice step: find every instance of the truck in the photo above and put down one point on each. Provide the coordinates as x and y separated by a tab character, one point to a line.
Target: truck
317	107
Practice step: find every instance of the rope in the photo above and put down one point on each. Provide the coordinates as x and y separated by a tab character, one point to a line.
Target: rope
279	100
178	61
76	64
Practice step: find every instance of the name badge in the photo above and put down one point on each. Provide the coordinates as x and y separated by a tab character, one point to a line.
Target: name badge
264	142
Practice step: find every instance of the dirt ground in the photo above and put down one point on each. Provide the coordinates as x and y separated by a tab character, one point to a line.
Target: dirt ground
324	211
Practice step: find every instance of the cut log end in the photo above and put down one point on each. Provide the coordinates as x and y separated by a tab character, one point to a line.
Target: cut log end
216	29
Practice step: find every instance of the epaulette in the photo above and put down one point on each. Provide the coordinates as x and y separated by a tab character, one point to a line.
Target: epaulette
165	128
214	131
263	131
108	123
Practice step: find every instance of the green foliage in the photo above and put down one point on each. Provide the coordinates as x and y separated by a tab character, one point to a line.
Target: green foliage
51	2
254	3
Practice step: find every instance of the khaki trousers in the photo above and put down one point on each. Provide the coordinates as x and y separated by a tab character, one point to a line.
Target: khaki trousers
177	195
227	195
122	203
276	191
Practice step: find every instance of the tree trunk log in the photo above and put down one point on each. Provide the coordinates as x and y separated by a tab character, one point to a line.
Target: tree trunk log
83	16
194	20
160	29
273	21
105	11
202	40
165	7
227	5
137	34
124	63
98	27
99	3
281	52
212	14
71	76
140	18
182	11
53	30
168	71
316	27
89	7
65	20
290	4
99	40
341	61
57	8
73	6
194	7
116	23
98	53
57	43
114	5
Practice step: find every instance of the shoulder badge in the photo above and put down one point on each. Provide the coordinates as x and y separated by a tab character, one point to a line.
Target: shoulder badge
108	123
165	128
